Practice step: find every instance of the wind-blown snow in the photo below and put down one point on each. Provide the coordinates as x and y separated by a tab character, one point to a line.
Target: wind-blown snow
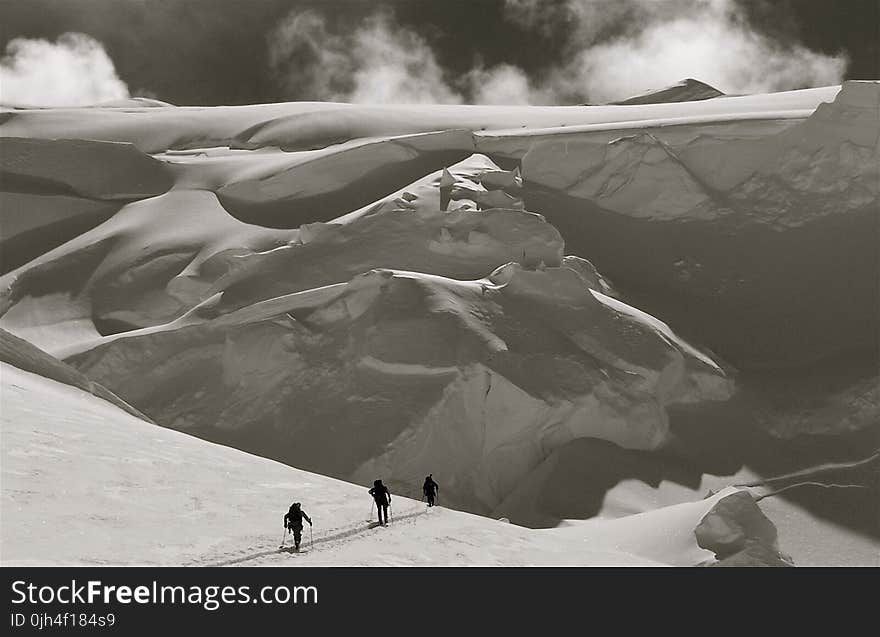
73	71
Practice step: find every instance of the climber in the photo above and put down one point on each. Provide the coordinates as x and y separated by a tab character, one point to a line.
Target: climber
293	521
430	489
382	496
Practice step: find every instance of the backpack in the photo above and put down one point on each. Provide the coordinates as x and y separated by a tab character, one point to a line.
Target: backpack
294	517
380	494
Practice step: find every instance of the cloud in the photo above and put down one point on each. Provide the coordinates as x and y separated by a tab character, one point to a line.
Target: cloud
615	49
394	64
307	60
612	50
73	71
504	84
709	40
379	62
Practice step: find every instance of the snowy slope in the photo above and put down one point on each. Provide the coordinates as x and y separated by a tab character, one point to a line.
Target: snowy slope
615	482
825	165
479	288
483	344
687	90
497	373
303	125
747	232
22	354
160	256
85	483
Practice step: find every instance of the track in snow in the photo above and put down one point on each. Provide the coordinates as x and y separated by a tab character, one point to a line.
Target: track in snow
343	536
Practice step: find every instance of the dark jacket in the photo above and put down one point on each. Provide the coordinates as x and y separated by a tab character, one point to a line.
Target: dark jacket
380	493
430	487
294	518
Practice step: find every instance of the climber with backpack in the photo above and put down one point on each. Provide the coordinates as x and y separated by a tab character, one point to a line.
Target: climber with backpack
293	522
430	489
382	497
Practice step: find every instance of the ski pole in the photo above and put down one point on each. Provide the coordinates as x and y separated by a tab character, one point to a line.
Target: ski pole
283	537
311	537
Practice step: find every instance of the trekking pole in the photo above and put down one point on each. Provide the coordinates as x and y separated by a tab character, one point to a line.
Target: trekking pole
283	537
311	537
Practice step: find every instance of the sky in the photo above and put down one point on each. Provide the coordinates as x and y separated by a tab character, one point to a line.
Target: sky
206	52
